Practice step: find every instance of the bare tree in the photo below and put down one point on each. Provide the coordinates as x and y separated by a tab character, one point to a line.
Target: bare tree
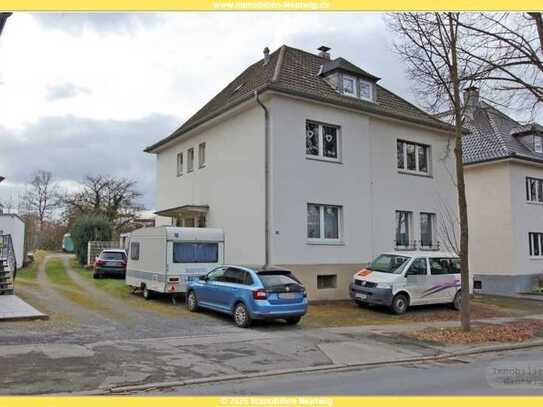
511	47
114	198
432	46
41	196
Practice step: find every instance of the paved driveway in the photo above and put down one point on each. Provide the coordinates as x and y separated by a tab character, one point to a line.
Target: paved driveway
95	340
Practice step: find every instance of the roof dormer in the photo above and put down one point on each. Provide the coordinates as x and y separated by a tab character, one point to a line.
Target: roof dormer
348	79
530	135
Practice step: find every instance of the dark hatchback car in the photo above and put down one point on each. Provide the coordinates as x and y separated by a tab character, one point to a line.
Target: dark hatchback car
110	262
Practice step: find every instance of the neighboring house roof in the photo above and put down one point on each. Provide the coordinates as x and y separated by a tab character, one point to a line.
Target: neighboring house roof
296	72
494	136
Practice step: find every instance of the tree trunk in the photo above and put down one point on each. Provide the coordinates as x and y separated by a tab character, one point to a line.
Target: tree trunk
539	24
465	315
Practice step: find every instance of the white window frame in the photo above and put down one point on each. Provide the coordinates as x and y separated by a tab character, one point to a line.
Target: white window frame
532	237
180	162
190	159
202	157
538	144
355	85
537	197
320	129
370	98
433	229
417	164
322	239
410	229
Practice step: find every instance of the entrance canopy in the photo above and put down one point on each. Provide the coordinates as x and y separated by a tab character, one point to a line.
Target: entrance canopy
184	211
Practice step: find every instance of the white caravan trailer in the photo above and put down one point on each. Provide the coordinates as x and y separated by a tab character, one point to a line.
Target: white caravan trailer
11	224
162	259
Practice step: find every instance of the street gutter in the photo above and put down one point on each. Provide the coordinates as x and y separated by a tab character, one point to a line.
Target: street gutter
320	368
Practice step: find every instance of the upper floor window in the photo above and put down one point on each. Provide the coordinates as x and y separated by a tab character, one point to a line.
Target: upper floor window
349	85
534	189
412	157
190	160
201	155
323	222
179	164
538	144
365	90
321	140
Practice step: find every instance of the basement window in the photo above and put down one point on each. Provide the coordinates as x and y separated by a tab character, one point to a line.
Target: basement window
326	281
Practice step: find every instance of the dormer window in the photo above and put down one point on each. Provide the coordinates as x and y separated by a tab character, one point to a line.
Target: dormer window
365	90
538	144
349	85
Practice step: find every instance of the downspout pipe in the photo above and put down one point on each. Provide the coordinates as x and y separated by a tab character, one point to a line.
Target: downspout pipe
266	180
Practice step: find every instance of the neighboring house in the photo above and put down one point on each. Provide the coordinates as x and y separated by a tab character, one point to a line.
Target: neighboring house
504	185
308	163
11	224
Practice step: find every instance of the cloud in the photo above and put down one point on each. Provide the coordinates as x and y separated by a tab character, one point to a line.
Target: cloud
76	23
65	91
72	147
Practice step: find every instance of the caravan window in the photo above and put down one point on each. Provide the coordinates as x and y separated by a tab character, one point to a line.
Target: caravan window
134	251
195	252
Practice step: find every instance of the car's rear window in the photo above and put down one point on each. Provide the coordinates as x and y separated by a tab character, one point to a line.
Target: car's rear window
272	280
113	256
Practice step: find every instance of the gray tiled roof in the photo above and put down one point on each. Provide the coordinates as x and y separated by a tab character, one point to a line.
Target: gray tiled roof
296	72
493	136
344	65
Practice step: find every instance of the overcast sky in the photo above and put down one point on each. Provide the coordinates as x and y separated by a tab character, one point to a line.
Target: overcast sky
85	93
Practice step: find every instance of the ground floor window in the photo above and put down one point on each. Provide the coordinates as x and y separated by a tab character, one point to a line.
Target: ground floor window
323	222
427	229
536	243
404	221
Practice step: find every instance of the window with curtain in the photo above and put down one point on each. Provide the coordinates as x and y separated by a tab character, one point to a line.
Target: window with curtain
195	252
403	226
322	140
534	189
412	157
323	222
427	222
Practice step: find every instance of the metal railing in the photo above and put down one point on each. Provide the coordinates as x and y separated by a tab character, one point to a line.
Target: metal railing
416	245
8	265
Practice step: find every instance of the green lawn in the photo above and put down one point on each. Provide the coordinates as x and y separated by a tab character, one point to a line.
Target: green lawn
30	272
56	273
114	286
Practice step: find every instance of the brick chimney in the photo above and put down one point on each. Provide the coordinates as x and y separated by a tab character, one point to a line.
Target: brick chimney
471	99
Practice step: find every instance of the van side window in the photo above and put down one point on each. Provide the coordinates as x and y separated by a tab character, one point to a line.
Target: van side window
135	250
418	267
455	266
439	266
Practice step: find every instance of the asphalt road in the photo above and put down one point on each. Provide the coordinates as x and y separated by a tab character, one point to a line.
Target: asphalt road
469	376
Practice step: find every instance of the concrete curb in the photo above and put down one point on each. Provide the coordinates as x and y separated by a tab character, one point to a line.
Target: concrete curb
321	368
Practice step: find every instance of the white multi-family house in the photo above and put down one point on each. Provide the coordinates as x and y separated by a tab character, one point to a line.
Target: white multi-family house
306	162
503	163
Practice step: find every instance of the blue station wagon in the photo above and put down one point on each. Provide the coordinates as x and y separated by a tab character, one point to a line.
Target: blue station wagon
249	293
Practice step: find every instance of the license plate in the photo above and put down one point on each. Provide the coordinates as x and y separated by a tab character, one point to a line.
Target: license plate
361	296
288	296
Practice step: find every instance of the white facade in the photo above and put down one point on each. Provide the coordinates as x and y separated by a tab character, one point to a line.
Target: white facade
364	183
501	218
13	225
